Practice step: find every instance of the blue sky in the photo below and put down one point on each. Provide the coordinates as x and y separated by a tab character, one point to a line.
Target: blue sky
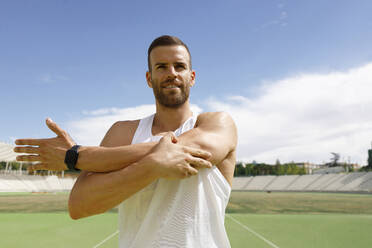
68	59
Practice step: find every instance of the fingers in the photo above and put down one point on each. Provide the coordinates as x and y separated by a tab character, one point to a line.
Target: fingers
192	171
198	162
198	152
187	172
29	142
28	158
27	149
54	127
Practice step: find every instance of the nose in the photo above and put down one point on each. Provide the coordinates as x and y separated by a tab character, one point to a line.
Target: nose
172	73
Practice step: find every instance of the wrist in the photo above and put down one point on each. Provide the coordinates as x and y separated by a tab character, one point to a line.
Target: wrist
148	164
81	161
71	157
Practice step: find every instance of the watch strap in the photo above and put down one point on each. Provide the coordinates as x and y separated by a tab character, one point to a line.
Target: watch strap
71	157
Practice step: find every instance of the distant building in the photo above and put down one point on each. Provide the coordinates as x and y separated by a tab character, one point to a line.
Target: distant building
309	167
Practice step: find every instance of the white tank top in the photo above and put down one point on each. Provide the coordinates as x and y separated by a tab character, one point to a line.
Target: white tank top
184	213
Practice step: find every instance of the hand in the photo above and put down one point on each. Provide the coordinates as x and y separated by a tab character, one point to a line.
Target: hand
170	160
49	153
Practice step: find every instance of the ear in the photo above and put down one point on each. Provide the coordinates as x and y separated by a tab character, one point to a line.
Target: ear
148	79
192	81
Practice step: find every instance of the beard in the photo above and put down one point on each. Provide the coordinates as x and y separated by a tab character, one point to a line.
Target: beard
170	99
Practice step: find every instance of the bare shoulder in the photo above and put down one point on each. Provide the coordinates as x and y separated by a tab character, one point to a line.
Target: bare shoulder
120	134
220	123
215	119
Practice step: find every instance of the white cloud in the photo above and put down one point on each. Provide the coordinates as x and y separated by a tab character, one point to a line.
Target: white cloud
299	118
90	129
305	117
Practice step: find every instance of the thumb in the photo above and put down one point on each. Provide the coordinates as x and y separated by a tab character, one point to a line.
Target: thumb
54	127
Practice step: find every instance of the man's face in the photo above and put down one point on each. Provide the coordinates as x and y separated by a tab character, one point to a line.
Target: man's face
171	76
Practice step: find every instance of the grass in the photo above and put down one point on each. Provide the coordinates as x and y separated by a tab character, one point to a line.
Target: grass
55	230
289	220
309	203
305	231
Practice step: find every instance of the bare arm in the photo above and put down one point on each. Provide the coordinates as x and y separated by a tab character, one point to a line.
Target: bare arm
95	193
114	153
213	132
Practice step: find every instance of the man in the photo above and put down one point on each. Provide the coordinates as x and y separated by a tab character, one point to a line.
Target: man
170	173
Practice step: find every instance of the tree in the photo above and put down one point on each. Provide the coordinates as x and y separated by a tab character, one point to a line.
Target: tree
249	169
239	169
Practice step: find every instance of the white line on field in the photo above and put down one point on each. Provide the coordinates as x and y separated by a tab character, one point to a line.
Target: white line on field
250	230
103	241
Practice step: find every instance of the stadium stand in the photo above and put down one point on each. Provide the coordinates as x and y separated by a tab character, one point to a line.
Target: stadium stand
361	183
344	181
15	181
322	181
240	183
302	182
282	182
366	185
34	183
259	182
6	152
335	184
351	182
28	184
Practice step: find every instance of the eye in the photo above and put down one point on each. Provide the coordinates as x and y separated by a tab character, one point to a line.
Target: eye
180	66
161	66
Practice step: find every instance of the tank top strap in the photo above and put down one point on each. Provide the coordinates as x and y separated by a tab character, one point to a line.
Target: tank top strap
143	131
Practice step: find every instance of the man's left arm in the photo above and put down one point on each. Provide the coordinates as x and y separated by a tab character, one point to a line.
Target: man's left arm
216	133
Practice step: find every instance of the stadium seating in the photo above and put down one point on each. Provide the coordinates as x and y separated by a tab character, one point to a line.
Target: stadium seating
362	183
302	182
341	182
240	183
349	182
259	182
281	182
322	182
34	183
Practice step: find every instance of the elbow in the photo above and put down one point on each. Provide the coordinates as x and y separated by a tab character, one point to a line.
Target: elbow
74	209
78	210
74	214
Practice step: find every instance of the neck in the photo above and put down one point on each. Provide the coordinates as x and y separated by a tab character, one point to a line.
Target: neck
169	119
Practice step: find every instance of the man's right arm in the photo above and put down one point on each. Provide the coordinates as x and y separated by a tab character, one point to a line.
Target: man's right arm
95	193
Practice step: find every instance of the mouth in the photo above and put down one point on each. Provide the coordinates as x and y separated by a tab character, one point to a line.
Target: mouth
171	86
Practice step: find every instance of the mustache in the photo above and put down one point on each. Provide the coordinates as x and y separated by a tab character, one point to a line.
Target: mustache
170	81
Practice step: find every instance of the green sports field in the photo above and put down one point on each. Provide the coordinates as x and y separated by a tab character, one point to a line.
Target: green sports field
254	219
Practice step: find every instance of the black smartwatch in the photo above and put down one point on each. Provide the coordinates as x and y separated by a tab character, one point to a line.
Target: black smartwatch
71	157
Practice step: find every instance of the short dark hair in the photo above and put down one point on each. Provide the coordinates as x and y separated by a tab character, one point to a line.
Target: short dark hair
166	40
